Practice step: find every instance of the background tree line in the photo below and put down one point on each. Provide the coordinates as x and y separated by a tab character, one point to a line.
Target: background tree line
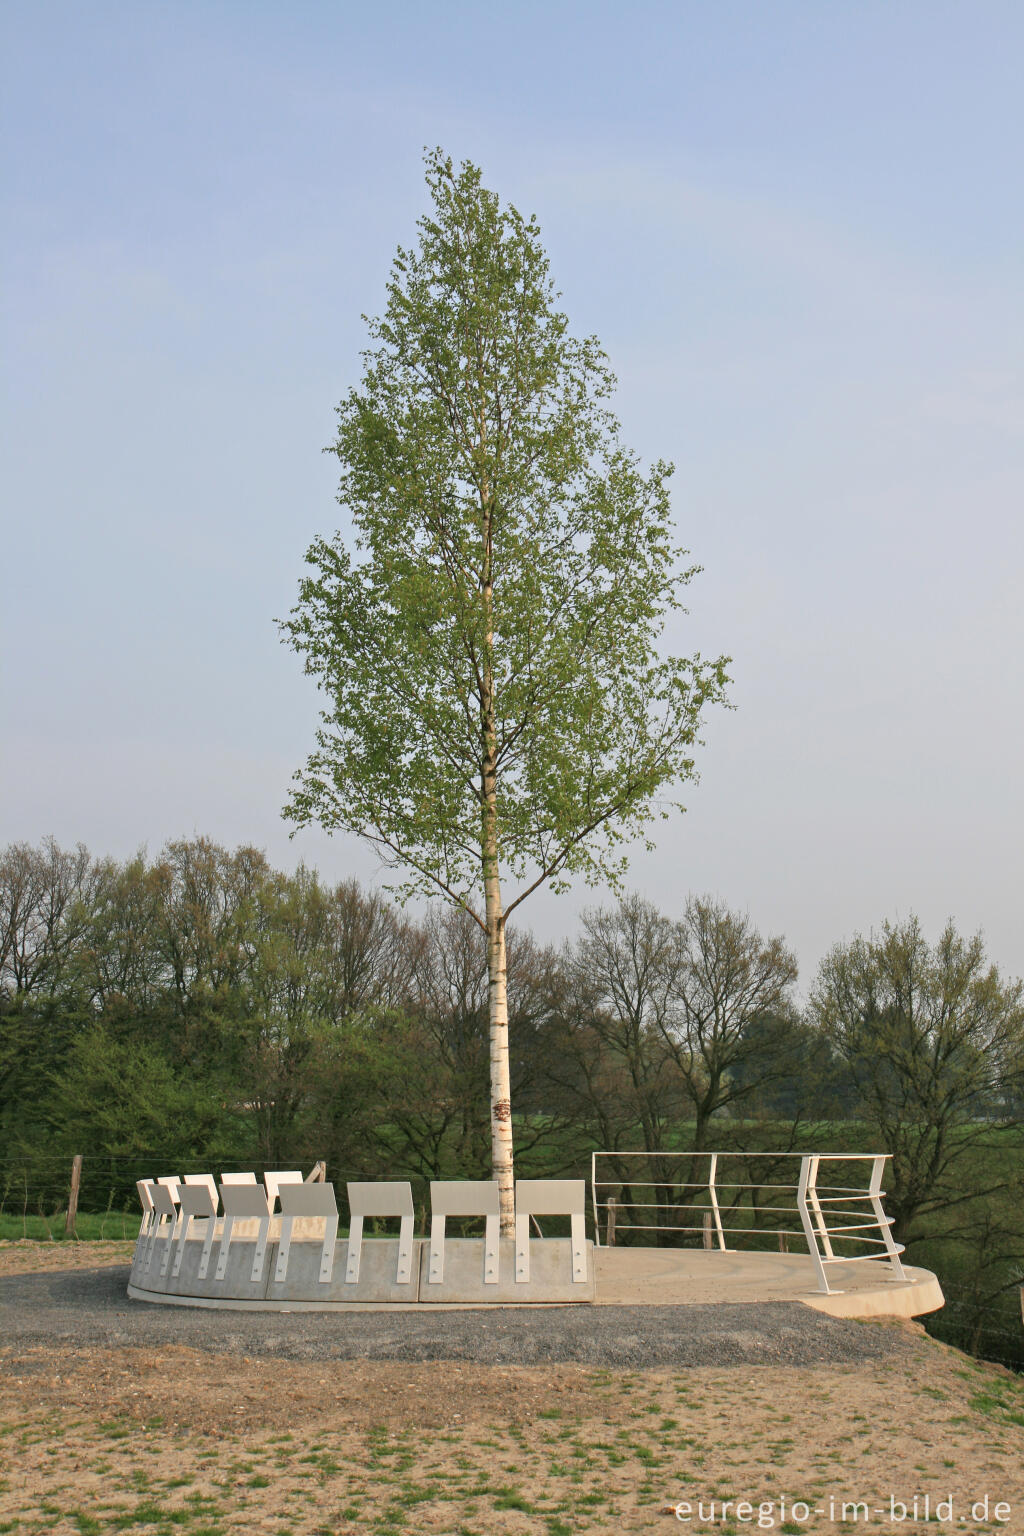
204	1008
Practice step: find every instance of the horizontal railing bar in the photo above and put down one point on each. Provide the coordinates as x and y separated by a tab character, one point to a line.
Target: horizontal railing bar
849	1234
854	1235
839	1189
695	1183
853	1258
835	1157
685	1183
860	1226
635	1226
852	1193
872	1223
696	1205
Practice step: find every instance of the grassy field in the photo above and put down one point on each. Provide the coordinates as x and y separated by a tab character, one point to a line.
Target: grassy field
89	1227
162	1441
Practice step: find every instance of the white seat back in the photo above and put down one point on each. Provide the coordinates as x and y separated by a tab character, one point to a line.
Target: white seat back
463	1197
164	1202
551	1197
244	1200
272	1183
196	1200
207	1181
308	1200
380	1200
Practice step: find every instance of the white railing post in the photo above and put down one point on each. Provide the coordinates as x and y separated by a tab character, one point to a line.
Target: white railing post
808	1177
713	1192
593	1197
812	1195
884	1221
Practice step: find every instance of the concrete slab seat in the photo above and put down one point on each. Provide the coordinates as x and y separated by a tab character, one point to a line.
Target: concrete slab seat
176	1209
367	1270
249	1254
507	1270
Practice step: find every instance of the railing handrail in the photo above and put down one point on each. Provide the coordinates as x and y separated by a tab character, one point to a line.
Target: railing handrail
842	1157
812	1204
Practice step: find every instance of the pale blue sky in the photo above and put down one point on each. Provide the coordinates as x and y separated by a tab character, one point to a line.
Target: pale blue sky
798	230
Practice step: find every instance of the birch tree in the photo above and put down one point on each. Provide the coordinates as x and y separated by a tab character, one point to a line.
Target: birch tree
498	714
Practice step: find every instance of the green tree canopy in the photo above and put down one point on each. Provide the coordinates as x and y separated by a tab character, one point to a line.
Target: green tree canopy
933	1037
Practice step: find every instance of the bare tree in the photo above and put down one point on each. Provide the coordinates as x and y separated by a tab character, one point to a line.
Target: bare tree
730	1025
44	896
628	960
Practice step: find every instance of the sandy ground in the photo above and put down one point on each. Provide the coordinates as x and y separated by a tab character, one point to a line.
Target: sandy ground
174	1439
25	1257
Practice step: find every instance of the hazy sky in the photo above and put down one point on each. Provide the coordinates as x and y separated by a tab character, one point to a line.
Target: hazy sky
798	229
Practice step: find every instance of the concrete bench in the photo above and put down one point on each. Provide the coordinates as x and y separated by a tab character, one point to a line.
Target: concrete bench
307	1201
380	1201
551	1197
247	1202
463	1197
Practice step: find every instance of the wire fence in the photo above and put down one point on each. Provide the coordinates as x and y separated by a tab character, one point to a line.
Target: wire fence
36	1196
40	1196
38	1199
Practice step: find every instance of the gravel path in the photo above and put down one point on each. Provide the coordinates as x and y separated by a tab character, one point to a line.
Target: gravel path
89	1308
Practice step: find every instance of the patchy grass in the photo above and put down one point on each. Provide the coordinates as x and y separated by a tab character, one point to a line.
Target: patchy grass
179	1442
174	1442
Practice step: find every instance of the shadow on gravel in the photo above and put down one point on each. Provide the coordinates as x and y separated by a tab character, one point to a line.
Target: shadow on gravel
89	1308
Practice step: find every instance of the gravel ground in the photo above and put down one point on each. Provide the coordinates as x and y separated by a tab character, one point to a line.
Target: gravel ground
88	1308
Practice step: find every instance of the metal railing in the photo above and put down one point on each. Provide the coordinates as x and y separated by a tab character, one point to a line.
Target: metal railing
828	1214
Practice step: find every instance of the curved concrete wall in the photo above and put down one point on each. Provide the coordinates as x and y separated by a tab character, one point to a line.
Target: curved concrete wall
249	1256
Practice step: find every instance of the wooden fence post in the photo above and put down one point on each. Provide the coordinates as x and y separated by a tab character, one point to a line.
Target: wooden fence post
76	1179
709	1240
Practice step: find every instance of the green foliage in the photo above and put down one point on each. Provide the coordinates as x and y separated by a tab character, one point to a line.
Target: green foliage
490	637
934	1041
118	1096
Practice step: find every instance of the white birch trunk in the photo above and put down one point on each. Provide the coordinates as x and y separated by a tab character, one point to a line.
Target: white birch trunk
501	1083
494	916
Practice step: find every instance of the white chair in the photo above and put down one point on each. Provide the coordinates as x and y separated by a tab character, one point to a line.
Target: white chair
164	1209
551	1197
171	1184
307	1200
272	1183
243	1202
463	1197
380	1200
143	1186
195	1200
238	1178
207	1181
